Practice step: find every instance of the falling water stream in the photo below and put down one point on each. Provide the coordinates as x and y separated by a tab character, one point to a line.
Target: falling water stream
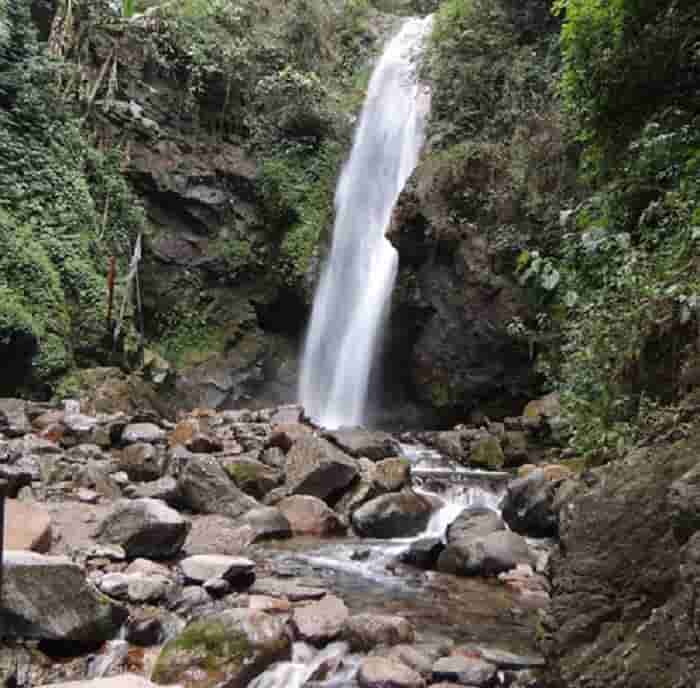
351	303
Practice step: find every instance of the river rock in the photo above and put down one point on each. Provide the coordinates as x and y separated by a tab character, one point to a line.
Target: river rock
136	587
310	516
205	488
486	452
214	534
403	514
204	443
268	523
548	406
285	435
381	672
120	681
294	592
474	522
423	553
143	432
365	631
202	567
236	644
14	421
320	622
466	671
515	448
392	475
164	489
450	443
357	442
528	505
27	526
412	657
251	476
490	555
316	468
144	528
48	598
143	462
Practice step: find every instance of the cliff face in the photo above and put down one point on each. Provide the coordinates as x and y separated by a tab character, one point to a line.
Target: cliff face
626	577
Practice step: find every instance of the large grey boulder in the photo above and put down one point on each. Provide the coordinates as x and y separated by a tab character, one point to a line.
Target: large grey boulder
315	467
203	567
48	598
205	488
402	514
473	523
528	505
14	421
466	671
489	555
236	644
373	444
267	523
144	528
143	462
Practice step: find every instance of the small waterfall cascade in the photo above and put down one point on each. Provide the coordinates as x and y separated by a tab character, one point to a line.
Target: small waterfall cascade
352	299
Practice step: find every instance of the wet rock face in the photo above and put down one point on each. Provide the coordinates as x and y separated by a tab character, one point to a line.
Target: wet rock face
451	307
528	506
625	578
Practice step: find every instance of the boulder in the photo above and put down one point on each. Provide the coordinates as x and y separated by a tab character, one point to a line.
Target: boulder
310	516
202	567
27	526
294	592
450	444
204	443
236	644
268	523
392	475
373	444
365	631
515	448
320	622
474	522
48	598
204	487
528	505
120	681
251	476
144	528
423	553
143	462
285	435
215	534
164	489
466	671
14	421
149	433
486	452
403	514
137	588
316	468
489	555
381	672
540	409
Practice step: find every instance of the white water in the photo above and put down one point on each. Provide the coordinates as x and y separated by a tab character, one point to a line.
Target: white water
352	300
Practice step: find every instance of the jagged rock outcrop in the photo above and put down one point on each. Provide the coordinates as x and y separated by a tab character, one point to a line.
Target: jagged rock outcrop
454	301
627	573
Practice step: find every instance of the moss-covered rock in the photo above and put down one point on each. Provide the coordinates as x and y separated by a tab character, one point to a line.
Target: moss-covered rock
231	647
487	453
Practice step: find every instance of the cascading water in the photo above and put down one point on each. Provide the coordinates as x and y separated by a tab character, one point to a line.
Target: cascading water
353	295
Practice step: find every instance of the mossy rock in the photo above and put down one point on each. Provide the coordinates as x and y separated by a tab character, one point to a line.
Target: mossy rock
487	453
232	647
251	476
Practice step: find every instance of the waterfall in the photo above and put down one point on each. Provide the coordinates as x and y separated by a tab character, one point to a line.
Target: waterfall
354	292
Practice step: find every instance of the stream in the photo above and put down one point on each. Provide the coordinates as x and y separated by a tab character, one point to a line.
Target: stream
367	576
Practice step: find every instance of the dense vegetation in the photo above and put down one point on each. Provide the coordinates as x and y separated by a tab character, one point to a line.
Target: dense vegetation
611	252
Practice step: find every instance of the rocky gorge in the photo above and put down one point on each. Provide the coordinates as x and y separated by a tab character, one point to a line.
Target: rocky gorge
522	508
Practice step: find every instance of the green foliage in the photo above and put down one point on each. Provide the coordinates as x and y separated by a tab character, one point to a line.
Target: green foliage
625	60
65	209
298	188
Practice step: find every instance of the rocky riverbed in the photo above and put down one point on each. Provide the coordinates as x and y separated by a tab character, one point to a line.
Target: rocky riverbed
251	548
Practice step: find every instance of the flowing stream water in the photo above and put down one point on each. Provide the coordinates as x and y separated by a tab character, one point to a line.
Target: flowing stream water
351	303
362	572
